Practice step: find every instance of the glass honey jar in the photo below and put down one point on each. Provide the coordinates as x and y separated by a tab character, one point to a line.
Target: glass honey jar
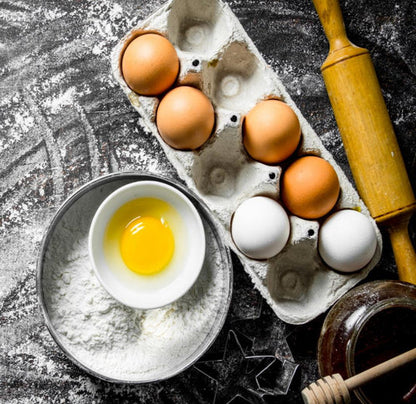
369	325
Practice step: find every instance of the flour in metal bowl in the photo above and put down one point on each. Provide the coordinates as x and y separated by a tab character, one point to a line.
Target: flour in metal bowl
114	341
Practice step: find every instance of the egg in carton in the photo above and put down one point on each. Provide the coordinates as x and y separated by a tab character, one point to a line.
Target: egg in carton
217	56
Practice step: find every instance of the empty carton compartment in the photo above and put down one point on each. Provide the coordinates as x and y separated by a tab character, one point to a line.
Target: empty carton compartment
214	172
199	27
235	80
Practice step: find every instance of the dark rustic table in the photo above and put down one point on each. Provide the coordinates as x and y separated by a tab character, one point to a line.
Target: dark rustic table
64	121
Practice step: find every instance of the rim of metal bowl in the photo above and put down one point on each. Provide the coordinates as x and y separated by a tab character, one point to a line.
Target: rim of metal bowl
139	176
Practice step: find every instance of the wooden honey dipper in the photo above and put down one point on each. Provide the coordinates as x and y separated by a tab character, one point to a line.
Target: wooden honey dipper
335	390
367	133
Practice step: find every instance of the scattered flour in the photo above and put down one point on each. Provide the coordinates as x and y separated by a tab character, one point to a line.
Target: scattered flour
114	340
60	100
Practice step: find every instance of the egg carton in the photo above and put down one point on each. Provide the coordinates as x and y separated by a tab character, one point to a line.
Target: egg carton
217	56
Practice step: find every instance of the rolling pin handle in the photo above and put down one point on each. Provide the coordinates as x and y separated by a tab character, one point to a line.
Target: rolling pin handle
329	12
404	253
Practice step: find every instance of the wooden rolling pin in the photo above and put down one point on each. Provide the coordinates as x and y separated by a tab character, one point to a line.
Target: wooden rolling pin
335	390
367	133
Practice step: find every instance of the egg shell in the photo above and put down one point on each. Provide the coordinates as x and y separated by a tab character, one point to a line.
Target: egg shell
310	187
271	131
150	64
347	241
260	227
185	118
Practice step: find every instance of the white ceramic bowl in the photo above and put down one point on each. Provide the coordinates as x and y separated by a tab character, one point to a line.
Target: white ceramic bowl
142	291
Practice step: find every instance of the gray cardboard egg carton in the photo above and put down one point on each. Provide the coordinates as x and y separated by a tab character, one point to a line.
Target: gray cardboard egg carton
217	56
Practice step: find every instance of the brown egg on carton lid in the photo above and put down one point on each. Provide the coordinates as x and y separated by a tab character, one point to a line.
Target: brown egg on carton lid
217	57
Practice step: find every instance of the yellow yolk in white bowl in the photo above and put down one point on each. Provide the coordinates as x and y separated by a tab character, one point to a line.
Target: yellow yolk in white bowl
140	236
147	245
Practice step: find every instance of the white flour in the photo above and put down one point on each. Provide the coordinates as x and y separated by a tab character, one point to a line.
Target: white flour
114	340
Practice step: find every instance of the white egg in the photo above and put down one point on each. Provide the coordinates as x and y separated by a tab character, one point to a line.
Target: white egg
260	227
347	241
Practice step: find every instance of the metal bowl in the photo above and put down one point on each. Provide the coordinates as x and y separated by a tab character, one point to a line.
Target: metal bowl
108	184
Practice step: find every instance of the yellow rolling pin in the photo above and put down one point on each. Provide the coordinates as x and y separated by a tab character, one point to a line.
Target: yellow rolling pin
367	133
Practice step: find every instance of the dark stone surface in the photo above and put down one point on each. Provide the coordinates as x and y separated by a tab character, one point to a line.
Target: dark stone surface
64	121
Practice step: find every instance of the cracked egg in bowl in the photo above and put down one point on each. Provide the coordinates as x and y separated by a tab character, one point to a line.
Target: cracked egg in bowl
147	244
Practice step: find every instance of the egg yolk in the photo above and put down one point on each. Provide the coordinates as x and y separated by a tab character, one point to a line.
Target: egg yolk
147	245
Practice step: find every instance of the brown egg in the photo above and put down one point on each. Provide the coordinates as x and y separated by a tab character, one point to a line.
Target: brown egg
150	64
309	187
185	118
271	131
